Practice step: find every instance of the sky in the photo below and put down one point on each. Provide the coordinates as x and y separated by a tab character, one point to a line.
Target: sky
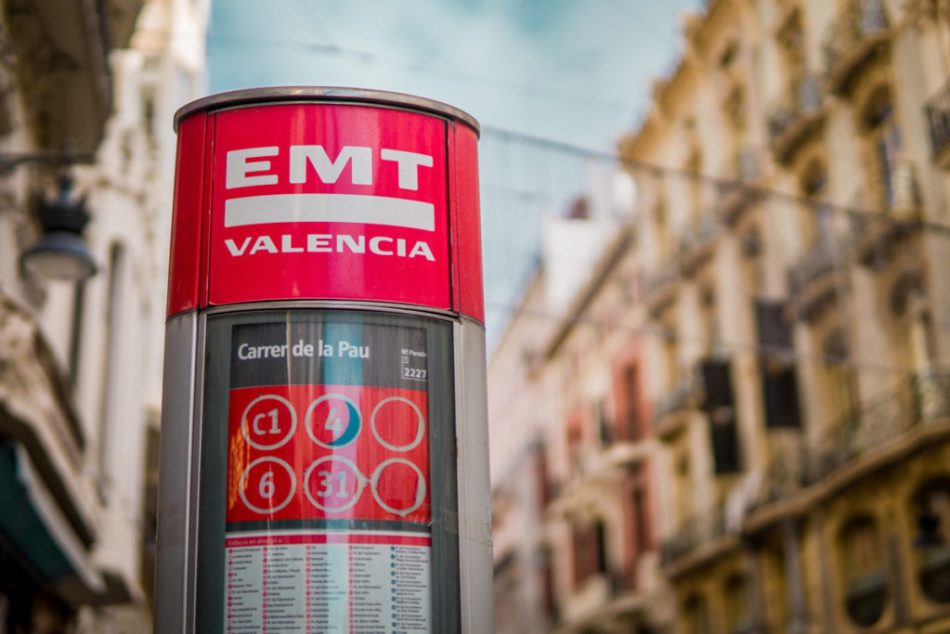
574	71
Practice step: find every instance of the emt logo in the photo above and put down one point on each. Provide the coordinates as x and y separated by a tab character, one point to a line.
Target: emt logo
252	167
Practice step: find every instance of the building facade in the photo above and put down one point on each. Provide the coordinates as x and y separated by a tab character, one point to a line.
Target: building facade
573	455
786	300
81	363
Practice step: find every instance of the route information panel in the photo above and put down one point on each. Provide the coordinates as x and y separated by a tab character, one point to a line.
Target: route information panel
327	493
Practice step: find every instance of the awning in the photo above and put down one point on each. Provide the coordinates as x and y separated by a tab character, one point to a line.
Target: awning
33	524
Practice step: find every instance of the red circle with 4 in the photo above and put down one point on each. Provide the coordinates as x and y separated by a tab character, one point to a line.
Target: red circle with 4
332	421
268	422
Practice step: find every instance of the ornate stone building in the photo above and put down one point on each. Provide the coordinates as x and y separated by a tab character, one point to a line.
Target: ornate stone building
86	89
785	292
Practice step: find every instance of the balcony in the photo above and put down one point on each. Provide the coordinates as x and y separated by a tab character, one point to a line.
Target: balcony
697	242
669	412
937	110
693	533
859	30
878	425
812	279
877	235
658	286
62	49
796	118
737	196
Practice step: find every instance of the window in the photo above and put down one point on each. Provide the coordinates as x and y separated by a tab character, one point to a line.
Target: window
661	228
549	595
668	351
736	598
883	143
863	571
931	509
75	330
542	477
111	366
779	381
574	439
150	509
710	323
590	551
774	589
909	306
837	378
694	165
696	615
728	54
791	43
684	484
638	509
605	429
628	400
818	227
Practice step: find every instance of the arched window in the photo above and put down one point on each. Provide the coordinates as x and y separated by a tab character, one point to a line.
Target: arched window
931	509
863	570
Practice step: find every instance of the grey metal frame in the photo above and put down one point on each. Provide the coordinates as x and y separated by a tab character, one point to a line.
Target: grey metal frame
182	435
324	94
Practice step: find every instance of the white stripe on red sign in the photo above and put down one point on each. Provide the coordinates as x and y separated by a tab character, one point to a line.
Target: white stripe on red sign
373	210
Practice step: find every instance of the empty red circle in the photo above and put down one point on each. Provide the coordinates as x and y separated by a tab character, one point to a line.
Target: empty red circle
399	487
398	423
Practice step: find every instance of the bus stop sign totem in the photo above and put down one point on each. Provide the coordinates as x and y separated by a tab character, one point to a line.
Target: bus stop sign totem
324	447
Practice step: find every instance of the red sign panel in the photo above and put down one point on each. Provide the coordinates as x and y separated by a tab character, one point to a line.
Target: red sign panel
329	200
307	452
327	498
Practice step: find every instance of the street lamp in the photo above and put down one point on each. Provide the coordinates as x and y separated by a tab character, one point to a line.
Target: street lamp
61	253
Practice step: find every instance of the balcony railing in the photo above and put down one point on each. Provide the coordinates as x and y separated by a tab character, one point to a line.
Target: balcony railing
886	211
658	286
683	396
937	110
696	243
855	34
812	278
918	400
796	117
692	533
745	170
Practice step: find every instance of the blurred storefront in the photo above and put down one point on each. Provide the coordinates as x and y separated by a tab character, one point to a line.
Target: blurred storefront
87	90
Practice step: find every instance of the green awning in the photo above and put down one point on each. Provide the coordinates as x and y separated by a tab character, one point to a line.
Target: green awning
32	523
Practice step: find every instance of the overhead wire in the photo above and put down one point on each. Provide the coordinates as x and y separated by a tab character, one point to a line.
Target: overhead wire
659	171
735	346
362	55
703	177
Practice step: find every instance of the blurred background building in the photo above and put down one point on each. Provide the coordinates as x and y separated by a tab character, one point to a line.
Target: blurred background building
82	306
740	422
